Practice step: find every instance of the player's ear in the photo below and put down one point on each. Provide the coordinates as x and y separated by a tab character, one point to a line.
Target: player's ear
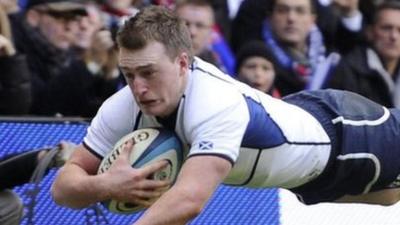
184	62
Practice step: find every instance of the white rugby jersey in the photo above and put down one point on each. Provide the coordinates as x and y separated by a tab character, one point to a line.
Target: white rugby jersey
270	143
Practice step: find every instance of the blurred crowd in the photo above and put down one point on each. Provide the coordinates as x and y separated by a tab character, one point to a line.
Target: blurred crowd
59	57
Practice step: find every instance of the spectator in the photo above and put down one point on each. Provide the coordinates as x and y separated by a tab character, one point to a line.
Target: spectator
255	67
340	22
43	33
116	11
94	76
247	25
367	7
297	45
15	89
373	70
199	17
225	11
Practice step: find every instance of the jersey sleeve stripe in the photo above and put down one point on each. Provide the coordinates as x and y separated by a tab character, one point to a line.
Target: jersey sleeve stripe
92	151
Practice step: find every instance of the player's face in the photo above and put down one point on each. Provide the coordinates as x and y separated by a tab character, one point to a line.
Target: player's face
385	34
292	20
156	81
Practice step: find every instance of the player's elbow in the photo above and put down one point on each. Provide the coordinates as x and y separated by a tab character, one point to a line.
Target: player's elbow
193	208
197	205
195	202
63	200
60	196
57	194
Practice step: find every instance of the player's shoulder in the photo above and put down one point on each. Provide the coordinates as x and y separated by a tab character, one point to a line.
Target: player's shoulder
122	99
207	80
208	85
114	119
205	77
205	70
210	94
119	108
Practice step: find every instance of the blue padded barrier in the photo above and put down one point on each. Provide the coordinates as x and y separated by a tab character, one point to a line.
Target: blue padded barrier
229	206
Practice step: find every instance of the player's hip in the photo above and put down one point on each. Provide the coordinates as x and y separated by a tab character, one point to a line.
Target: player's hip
365	152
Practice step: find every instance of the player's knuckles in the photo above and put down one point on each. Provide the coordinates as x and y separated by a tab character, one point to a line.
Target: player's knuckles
138	175
136	180
141	185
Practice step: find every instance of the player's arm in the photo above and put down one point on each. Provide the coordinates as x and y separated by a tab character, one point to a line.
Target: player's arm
74	186
197	181
77	184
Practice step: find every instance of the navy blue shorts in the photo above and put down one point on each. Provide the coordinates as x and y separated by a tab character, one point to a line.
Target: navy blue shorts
365	139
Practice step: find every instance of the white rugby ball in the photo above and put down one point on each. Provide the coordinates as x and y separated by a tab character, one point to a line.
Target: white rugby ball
151	145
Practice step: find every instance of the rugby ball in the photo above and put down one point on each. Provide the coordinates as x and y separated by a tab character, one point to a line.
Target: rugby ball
151	145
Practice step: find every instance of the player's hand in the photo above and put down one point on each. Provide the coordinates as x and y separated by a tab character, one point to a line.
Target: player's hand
133	185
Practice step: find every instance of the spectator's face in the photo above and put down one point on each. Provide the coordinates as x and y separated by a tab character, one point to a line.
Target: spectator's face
257	72
86	27
199	21
385	34
58	28
156	81
291	21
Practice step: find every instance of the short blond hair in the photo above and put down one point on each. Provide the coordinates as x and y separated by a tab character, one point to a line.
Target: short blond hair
156	23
